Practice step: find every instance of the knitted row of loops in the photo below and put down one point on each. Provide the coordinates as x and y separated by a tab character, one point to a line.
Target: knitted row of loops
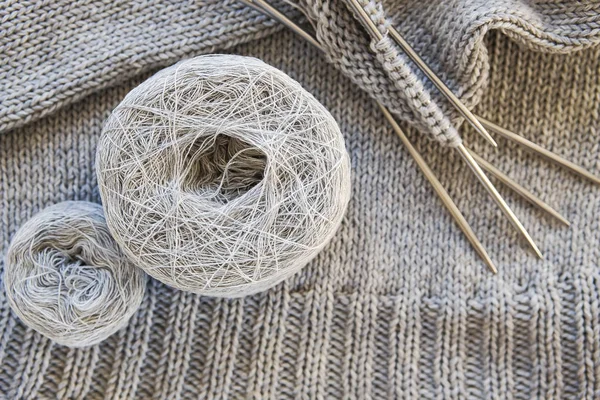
66	277
378	67
222	176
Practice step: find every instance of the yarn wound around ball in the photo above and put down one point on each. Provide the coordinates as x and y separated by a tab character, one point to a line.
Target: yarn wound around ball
66	277
222	176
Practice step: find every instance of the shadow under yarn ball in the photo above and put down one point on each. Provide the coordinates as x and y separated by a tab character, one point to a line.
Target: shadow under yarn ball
222	176
66	277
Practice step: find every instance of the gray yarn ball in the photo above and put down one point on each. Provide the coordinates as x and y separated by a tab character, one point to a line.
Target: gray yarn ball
222	176
66	277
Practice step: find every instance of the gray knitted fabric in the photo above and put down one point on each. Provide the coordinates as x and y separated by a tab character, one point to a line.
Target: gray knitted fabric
447	35
398	305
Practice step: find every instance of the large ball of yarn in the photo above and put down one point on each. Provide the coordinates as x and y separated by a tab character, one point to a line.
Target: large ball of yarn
66	278
222	176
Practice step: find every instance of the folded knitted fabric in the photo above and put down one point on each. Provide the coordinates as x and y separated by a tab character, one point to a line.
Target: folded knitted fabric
398	305
70	50
448	35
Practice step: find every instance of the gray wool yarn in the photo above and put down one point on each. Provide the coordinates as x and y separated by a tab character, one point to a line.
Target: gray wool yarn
66	278
222	176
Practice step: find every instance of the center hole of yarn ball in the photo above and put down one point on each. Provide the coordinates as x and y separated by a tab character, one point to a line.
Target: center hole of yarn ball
77	282
223	167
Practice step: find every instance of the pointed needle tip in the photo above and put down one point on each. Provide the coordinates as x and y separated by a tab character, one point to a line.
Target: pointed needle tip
486	258
489	138
531	243
556	215
537	251
564	221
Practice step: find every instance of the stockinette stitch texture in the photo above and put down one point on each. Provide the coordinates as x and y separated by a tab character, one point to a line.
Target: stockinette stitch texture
398	305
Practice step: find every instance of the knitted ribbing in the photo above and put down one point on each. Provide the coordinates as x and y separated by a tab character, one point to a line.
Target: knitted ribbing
397	67
382	73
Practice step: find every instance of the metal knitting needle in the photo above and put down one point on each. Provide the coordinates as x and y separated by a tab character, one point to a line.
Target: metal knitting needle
284	20
465	112
520	190
441	192
266	8
491	189
547	154
412	54
466	156
262	6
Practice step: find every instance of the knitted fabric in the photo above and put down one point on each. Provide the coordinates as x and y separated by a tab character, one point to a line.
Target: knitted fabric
448	36
398	305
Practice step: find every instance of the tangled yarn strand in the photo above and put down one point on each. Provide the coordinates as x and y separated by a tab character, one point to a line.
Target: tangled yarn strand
222	176
66	277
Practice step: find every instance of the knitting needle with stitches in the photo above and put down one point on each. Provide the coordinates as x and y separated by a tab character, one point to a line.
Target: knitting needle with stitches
475	162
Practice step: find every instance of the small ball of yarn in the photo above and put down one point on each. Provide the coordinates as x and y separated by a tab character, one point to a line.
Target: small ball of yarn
66	278
222	176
